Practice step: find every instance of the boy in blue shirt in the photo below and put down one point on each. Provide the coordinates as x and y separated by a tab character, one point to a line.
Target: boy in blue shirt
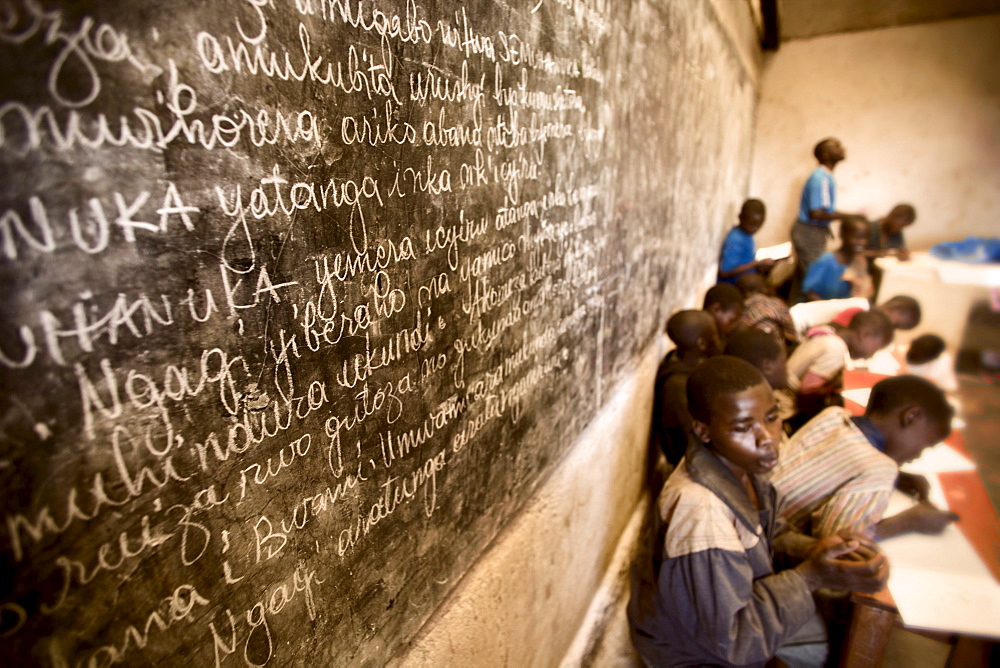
844	272
817	206
739	250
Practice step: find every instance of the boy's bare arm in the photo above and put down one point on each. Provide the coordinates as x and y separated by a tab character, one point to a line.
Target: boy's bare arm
922	518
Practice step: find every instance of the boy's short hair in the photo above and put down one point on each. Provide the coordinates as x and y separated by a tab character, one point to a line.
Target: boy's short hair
820	148
751	283
715	377
907	306
904	209
925	348
893	393
850	223
754	345
752	205
684	327
726	295
873	320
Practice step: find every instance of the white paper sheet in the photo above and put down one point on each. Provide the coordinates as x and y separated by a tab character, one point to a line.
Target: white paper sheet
939	582
777	252
946	601
940	458
859	396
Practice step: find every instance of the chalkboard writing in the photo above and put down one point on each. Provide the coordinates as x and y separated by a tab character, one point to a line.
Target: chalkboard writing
301	299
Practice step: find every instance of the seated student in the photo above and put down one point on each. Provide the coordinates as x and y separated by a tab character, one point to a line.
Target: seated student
708	593
763	311
843	272
837	471
903	310
738	256
724	302
807	315
887	233
764	351
815	368
694	335
926	357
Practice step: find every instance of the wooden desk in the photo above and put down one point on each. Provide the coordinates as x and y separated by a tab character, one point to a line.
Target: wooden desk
874	616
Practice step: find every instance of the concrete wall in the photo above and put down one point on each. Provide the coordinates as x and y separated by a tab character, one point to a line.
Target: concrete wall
918	109
551	589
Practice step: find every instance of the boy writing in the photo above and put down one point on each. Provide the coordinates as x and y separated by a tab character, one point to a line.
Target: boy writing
838	471
738	256
815	368
694	335
843	272
709	593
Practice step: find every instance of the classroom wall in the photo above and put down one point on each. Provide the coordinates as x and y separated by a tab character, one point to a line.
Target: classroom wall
248	314
918	110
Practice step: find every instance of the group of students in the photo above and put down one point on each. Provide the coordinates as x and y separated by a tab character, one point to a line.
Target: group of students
775	496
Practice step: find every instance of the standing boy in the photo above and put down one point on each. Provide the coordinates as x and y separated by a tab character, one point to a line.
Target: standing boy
739	251
838	471
817	206
709	594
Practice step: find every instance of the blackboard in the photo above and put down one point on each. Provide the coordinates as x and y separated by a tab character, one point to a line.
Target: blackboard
302	299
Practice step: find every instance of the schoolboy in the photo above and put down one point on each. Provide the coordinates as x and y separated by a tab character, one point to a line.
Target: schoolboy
695	337
763	350
844	272
763	311
708	594
928	358
724	302
837	472
817	205
739	251
903	310
887	233
815	368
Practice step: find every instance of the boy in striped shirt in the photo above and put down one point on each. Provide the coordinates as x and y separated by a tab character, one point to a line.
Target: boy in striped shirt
837	472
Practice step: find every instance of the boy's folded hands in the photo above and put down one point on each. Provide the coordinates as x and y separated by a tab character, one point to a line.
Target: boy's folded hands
846	562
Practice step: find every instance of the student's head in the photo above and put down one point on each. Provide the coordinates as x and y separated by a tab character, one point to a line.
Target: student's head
869	332
924	349
752	215
903	311
912	413
829	151
854	234
734	414
694	331
901	216
765	351
752	284
724	302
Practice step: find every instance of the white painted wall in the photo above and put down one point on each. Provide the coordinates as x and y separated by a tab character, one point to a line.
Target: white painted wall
918	109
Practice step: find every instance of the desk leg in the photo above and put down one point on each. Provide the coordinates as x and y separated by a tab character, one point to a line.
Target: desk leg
868	636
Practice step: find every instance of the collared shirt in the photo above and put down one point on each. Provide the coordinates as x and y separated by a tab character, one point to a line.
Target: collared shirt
708	594
819	192
830	479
